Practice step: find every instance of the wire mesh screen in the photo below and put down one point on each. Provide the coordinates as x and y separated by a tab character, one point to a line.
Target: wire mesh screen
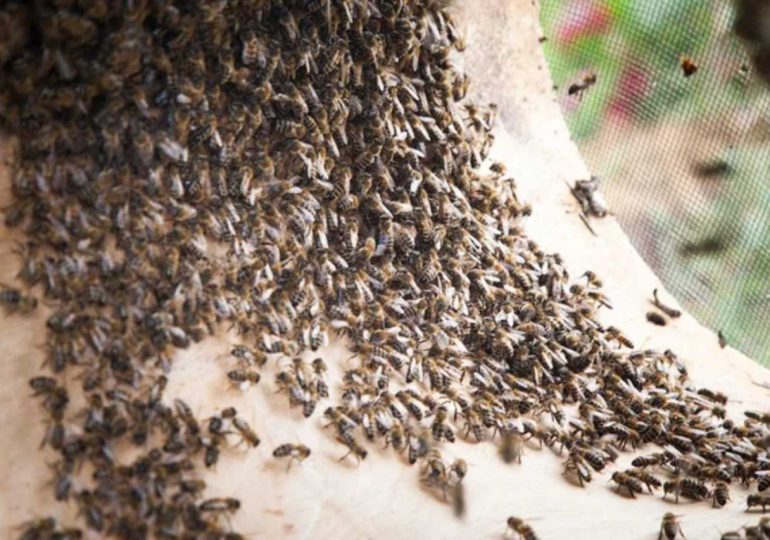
662	99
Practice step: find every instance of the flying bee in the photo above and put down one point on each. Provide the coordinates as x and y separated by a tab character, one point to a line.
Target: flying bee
457	496
586	82
298	452
688	65
670	527
14	301
248	435
522	530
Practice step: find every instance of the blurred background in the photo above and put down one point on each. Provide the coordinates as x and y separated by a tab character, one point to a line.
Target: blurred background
684	159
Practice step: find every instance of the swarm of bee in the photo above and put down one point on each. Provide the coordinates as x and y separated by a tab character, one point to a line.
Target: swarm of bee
295	170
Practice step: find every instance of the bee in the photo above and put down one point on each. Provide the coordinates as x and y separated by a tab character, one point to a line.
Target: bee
220	505
457	496
763	482
418	448
253	51
522	530
411	404
721	495
440	428
298	452
721	339
586	82
670	527
185	413
319	368
764	526
248	435
55	397
669	311
629	483
14	301
595	458
354	448
688	65
435	473
474	424
347	203
764	418
591	200
339	418
646	478
243	377
753	501
575	467
656	318
511	446
686	487
396	437
211	455
248	355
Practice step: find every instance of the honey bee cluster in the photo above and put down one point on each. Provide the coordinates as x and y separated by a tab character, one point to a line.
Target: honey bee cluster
296	170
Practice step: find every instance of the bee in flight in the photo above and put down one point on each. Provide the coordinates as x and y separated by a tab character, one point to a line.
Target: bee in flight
586	82
689	67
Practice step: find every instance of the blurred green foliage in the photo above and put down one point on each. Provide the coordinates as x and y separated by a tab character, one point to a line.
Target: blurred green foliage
636	48
715	257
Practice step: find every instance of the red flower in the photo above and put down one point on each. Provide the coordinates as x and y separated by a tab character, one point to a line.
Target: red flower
583	18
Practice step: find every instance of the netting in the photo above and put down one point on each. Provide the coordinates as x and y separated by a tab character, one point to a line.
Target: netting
676	126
